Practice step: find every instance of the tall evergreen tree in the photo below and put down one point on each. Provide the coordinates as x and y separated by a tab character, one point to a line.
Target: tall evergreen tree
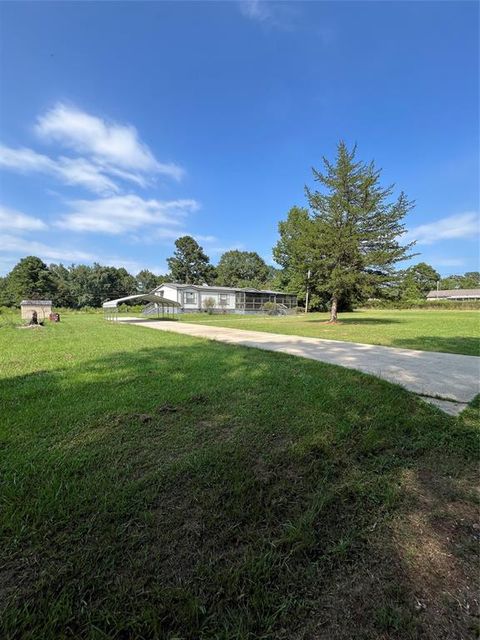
353	241
189	264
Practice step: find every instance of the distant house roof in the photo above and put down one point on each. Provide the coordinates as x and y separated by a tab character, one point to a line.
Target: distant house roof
453	294
38	303
203	287
141	297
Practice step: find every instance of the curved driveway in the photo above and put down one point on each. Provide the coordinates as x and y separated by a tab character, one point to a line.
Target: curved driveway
447	380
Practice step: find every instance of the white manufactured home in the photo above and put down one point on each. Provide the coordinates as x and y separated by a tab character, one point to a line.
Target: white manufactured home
193	298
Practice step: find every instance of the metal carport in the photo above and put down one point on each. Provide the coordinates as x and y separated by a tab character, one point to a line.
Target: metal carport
157	305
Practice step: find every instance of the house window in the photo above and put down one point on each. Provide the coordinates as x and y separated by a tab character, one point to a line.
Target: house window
190	297
224	298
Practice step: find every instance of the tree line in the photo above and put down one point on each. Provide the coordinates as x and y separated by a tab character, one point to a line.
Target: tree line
342	248
79	286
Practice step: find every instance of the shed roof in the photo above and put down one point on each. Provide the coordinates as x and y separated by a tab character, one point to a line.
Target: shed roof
45	303
454	293
141	297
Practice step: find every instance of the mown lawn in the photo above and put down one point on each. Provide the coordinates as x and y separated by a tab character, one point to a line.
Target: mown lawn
429	330
155	485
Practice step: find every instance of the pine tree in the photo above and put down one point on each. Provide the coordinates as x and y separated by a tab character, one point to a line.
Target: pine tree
189	264
353	244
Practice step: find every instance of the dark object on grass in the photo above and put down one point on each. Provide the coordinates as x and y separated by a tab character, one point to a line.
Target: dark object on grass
166	408
34	319
54	317
143	417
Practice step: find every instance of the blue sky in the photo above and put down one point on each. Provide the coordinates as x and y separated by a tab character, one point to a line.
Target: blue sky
125	125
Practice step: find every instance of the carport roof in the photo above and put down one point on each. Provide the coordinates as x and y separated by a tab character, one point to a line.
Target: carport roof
141	297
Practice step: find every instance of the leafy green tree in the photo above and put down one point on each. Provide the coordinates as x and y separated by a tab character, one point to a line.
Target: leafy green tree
293	252
63	296
470	280
91	286
189	264
147	281
242	269
417	281
7	298
124	282
29	278
349	240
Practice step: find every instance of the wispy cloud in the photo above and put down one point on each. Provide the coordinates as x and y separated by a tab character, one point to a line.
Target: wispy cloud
273	14
115	147
70	171
108	153
448	262
14	247
201	238
217	250
120	214
255	10
462	225
11	220
21	247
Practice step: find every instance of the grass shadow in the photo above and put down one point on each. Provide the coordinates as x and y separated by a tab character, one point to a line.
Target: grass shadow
359	321
454	344
200	491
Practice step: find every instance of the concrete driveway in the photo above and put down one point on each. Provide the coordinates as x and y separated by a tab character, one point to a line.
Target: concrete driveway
447	380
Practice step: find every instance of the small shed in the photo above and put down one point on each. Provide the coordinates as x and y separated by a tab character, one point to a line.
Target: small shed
42	307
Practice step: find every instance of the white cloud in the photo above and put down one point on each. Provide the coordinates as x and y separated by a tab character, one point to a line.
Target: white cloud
23	247
121	214
116	147
255	10
448	262
200	238
462	225
280	15
14	248
11	220
233	247
70	171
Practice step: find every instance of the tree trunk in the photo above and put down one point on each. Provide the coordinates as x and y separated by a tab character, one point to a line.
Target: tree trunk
333	309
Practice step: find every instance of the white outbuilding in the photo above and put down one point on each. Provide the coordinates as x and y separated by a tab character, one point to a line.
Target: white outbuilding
43	309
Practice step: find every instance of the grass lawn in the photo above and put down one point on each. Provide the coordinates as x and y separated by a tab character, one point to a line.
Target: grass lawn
429	330
155	485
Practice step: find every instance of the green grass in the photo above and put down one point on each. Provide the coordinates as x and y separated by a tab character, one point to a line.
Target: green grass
155	485
449	331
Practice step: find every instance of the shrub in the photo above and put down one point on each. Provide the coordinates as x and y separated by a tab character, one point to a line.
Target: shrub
271	308
422	304
209	305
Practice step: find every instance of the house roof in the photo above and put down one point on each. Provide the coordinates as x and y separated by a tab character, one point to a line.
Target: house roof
206	287
140	297
44	303
454	293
